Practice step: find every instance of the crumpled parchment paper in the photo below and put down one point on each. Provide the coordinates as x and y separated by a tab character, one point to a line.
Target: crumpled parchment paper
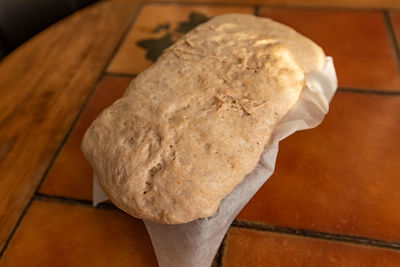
195	244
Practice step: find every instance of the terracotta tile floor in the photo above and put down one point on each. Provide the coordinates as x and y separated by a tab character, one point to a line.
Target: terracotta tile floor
337	181
358	41
340	177
272	249
54	234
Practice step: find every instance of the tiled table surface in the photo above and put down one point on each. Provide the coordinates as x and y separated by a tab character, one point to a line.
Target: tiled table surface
334	199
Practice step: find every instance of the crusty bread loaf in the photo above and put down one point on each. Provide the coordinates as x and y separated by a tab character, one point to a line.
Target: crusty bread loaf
192	126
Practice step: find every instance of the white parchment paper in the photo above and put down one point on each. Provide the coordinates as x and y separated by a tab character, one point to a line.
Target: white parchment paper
195	244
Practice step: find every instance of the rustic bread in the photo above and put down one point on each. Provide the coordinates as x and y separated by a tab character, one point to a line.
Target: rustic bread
192	126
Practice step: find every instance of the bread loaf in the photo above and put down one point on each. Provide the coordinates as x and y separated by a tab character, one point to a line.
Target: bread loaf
193	125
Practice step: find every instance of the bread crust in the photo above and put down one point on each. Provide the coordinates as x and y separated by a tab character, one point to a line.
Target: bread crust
193	125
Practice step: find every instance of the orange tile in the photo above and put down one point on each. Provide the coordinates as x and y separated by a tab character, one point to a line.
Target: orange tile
359	43
71	174
53	234
131	58
341	177
246	247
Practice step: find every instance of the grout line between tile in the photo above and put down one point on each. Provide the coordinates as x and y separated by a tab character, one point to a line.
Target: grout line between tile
392	36
73	201
236	223
317	235
117	74
15	228
124	35
38	186
66	137
368	91
222	250
220	253
64	140
60	199
54	158
84	104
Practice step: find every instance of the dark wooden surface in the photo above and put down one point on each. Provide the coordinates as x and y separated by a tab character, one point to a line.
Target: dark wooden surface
43	85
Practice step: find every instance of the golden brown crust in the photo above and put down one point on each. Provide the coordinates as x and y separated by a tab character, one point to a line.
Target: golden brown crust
193	125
